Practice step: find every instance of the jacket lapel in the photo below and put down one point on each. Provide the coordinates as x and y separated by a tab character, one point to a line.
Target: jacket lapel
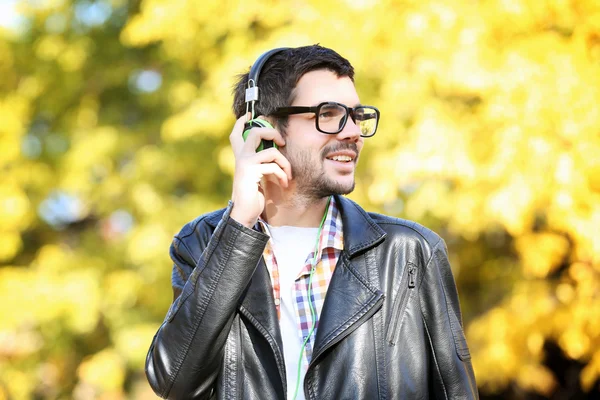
258	306
353	294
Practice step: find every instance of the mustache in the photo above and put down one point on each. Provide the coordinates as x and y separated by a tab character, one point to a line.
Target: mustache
339	147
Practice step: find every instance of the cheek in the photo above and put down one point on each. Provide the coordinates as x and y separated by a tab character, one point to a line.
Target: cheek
360	143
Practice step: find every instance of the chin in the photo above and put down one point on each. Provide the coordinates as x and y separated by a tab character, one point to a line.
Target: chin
327	188
344	183
340	187
346	187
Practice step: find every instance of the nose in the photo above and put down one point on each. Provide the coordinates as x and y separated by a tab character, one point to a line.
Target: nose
351	131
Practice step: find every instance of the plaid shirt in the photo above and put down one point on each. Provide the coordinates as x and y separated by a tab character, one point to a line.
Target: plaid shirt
331	243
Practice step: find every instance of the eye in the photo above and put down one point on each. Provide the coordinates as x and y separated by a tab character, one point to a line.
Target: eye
331	111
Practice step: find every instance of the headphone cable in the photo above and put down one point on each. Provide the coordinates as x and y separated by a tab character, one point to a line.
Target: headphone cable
316	257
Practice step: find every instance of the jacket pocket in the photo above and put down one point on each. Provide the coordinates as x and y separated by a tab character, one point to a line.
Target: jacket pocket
407	283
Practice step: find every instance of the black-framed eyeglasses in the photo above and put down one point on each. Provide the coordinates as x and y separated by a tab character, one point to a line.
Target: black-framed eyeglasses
331	117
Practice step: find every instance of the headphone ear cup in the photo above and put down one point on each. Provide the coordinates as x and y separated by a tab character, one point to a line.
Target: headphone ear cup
258	123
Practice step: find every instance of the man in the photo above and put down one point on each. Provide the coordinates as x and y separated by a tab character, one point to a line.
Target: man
383	320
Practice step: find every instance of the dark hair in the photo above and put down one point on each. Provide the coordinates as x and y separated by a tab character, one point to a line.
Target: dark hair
281	73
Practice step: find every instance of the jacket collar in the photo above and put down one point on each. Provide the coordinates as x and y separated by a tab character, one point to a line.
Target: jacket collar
360	231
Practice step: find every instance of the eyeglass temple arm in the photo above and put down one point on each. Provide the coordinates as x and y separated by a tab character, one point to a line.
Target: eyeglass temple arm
283	111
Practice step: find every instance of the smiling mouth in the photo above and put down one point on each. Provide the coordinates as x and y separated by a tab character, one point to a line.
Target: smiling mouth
344	153
340	158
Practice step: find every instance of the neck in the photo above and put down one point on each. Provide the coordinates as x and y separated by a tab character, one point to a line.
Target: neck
287	207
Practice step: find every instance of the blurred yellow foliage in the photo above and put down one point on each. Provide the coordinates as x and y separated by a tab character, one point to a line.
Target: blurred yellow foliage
104	370
537	378
132	344
541	253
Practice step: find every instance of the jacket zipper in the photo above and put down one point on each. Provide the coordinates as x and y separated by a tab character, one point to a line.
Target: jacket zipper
410	272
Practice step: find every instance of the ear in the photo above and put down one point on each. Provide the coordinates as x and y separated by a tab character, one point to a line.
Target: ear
270	120
273	121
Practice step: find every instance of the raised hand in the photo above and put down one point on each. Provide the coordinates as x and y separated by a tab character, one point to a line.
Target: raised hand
251	167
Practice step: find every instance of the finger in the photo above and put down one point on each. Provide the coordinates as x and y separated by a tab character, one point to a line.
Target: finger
273	155
257	134
272	169
235	138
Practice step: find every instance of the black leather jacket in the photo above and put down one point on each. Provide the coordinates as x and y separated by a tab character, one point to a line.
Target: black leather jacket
390	327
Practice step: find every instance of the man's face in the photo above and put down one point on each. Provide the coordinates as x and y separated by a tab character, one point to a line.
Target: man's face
322	164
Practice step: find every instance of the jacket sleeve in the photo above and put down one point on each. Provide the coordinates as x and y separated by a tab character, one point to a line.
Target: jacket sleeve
187	351
453	377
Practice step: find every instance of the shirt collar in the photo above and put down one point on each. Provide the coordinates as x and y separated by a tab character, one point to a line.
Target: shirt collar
332	234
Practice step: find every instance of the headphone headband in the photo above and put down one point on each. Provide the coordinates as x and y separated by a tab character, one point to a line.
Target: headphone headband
252	89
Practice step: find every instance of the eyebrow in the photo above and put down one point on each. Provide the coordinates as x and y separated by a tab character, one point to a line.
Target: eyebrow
354	106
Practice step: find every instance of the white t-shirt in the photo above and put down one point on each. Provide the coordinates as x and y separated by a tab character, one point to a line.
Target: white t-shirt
291	246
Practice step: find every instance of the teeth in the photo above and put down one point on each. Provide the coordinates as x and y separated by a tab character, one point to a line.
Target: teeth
341	158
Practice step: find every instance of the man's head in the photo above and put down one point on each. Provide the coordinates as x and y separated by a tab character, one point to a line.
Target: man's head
322	163
281	74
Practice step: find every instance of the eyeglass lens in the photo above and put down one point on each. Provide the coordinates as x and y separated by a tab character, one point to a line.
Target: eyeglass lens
332	118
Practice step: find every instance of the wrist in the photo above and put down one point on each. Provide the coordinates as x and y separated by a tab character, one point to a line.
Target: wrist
242	219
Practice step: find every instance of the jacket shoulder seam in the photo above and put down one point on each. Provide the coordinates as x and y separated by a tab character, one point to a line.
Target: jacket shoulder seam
410	225
433	249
